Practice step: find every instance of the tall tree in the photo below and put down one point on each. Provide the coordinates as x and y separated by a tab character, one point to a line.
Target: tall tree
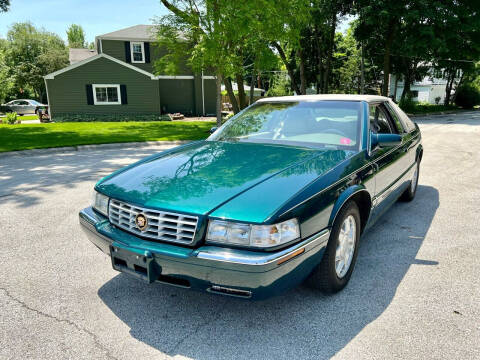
456	51
378	26
76	36
31	54
210	29
282	22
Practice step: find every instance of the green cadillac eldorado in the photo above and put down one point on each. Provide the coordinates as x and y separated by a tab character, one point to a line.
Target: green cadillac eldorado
280	194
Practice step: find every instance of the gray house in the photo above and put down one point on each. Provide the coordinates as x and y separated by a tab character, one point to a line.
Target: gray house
117	80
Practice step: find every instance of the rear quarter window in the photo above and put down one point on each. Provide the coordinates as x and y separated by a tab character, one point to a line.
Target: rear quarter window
408	124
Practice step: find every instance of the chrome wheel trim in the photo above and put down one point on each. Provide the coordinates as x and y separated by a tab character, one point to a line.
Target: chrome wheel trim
345	246
413	184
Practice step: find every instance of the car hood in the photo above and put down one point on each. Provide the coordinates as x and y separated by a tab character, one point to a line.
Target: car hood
203	176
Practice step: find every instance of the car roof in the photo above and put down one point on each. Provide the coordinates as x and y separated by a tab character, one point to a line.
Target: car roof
320	97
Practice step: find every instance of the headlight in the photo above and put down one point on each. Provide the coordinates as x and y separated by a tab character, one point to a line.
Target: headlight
261	236
100	203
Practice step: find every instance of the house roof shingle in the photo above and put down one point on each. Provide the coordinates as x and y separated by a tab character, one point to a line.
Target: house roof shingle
76	55
137	32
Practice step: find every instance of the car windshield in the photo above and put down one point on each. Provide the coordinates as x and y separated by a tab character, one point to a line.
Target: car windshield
329	124
34	102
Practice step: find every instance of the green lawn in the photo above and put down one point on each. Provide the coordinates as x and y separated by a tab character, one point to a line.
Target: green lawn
24	117
36	136
28	117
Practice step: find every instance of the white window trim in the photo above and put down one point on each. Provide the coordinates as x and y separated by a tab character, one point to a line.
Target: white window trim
142	44
95	102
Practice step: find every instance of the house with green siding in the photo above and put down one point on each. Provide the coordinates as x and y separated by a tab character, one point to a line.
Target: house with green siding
118	81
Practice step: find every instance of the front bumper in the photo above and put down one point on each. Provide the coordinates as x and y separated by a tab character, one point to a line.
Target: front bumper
234	272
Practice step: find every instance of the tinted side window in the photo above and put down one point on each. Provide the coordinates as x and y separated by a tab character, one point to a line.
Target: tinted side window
408	124
395	118
379	122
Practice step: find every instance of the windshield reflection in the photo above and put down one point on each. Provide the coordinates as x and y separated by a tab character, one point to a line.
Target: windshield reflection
318	124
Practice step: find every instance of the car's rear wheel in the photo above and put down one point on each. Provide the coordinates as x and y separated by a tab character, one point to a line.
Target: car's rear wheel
336	267
409	193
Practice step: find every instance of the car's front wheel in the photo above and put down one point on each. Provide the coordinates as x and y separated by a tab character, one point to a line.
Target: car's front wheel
336	267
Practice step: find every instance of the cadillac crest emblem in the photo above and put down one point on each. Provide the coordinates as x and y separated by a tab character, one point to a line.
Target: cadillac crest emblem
141	221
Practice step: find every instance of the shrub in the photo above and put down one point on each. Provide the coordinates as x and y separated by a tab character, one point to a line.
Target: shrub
11	118
407	104
437	100
467	96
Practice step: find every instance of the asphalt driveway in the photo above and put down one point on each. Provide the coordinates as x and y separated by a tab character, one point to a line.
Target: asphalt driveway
414	293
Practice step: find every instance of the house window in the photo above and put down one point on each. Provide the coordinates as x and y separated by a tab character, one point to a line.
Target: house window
106	94
415	93
138	52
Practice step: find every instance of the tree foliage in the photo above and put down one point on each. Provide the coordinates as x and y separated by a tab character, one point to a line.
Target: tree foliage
76	37
28	55
4	5
467	96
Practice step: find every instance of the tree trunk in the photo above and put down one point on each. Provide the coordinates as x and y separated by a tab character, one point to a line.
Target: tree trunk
386	56
331	45
288	66
458	85
252	88
407	81
448	89
318	60
231	95
395	90
218	84
241	91
362	69
303	80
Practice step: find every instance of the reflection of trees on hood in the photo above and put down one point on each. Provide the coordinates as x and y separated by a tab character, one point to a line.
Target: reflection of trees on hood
318	165
220	167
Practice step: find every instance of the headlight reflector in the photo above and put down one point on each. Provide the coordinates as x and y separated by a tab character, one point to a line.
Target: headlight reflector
261	236
100	203
228	232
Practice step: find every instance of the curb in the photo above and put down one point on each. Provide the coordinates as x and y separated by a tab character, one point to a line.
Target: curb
440	113
67	149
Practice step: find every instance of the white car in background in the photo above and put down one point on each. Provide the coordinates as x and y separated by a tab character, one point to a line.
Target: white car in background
23	106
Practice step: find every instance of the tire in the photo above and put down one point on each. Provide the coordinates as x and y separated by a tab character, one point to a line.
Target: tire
326	276
409	193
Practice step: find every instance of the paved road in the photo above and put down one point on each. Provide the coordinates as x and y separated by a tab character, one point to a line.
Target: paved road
414	293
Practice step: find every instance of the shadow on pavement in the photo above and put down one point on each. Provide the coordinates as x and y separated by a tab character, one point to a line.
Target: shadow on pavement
20	175
300	324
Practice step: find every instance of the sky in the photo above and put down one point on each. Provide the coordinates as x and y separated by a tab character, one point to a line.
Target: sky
97	17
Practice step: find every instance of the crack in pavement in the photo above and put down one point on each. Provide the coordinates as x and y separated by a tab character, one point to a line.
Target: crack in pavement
194	332
66	321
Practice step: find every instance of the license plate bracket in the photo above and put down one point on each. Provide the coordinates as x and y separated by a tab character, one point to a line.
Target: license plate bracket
142	266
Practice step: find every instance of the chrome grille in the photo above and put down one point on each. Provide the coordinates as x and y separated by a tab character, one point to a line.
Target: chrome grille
162	226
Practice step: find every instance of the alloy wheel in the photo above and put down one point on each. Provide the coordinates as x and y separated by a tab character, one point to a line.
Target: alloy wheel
346	246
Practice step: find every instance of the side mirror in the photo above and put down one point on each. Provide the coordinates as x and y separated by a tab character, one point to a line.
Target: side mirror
385	140
213	129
